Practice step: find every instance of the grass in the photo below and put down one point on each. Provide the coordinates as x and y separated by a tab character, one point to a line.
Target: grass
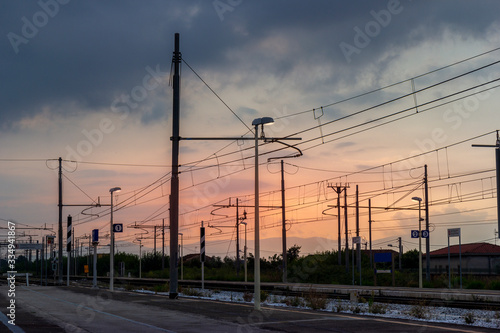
315	300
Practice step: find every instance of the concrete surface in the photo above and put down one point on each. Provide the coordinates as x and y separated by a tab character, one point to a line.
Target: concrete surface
77	309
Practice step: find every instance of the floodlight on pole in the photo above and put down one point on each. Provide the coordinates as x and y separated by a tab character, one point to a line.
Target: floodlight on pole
256	122
112	242
419	240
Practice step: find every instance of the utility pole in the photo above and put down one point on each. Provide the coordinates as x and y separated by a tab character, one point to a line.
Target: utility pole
358	245
346	234
154	251
370	230
237	239
163	245
338	189
174	181
400	251
60	233
428	239
497	162
283	224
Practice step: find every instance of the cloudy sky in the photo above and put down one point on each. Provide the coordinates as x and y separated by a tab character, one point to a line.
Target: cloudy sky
375	89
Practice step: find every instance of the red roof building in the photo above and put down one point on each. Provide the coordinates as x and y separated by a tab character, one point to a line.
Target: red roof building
477	258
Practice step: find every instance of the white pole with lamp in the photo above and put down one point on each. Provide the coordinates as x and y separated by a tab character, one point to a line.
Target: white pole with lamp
259	121
112	242
419	240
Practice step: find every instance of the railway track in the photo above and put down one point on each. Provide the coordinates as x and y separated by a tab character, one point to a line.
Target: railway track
377	294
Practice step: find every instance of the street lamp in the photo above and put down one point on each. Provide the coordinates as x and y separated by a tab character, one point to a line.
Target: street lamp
256	122
245	249
112	243
419	240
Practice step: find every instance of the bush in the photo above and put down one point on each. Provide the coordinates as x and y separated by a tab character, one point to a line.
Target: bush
293	301
247	297
315	300
263	295
191	292
469	318
494	285
378	309
338	306
161	288
475	285
419	311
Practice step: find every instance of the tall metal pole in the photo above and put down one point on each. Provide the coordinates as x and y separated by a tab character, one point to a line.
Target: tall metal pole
370	230
111	248
428	239
237	238
163	245
68	247
497	161
339	235
174	182
245	252
400	252
182	256
94	270
346	234
419	245
256	294
154	251
283	222
60	233
358	245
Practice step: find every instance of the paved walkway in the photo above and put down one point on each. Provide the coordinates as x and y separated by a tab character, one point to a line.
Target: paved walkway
77	309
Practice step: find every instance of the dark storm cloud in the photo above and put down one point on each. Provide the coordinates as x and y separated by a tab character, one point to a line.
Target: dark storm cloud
90	52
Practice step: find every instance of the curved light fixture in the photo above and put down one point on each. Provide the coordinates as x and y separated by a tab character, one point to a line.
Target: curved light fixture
115	189
262	121
416	199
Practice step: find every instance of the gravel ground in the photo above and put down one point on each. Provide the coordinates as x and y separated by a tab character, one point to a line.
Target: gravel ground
479	318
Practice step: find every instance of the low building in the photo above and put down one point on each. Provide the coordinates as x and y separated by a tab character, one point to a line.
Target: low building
477	258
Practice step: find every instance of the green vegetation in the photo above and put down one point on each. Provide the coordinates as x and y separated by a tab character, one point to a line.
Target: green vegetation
317	268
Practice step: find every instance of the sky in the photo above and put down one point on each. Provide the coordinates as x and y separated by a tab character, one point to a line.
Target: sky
374	89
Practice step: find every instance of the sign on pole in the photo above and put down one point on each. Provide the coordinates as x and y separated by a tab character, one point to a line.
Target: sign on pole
455	232
95	236
202	255
118	227
202	244
356	240
68	244
414	234
425	233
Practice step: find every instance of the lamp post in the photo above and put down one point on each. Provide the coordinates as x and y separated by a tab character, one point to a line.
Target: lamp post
419	240
140	258
245	250
256	122
112	243
182	256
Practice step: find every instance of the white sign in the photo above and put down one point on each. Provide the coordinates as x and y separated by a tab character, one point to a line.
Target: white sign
454	232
